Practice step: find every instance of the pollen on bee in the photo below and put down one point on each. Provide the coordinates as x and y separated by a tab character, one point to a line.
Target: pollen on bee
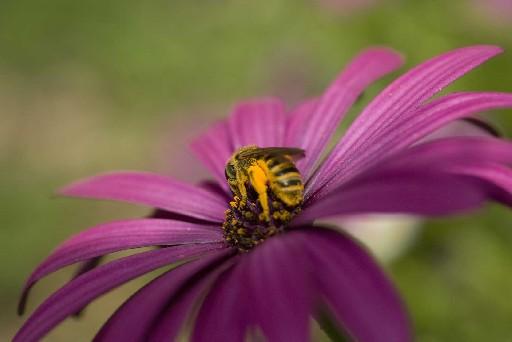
282	215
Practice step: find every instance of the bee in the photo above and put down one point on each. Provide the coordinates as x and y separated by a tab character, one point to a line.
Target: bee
266	168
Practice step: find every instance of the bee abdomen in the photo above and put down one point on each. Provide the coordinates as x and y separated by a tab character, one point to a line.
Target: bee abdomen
275	163
291	195
285	179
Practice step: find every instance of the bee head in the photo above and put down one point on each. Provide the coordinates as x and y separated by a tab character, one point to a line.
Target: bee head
230	171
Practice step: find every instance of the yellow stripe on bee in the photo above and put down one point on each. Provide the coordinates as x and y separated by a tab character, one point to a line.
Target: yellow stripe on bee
280	167
292	188
288	176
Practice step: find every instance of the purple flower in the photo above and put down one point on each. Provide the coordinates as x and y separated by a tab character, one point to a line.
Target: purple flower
299	269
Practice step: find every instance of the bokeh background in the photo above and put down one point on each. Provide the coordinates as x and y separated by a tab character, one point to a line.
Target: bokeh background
98	85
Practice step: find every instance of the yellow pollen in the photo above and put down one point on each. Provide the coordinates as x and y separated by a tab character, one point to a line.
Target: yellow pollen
259	179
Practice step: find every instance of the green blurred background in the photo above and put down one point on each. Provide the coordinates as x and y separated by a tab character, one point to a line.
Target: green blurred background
92	86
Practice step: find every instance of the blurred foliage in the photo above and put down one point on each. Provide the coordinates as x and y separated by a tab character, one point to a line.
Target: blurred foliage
98	85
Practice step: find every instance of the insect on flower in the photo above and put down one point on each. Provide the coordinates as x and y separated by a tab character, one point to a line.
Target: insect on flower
266	177
253	261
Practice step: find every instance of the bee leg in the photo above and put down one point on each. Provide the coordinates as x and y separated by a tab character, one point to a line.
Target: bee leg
241	179
258	179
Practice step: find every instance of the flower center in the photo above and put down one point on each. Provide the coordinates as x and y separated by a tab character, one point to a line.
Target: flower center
267	193
246	226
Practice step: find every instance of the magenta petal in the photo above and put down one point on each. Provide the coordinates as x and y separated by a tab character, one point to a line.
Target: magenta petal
485	159
116	236
355	289
85	267
213	148
222	190
403	96
88	265
151	190
135	319
172	319
279	284
441	187
224	314
297	120
441	113
467	127
79	292
268	292
498	176
259	122
417	125
438	155
411	192
480	126
317	128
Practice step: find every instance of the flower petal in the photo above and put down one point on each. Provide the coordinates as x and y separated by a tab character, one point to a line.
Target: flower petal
266	292
117	236
417	125
467	156
441	154
259	122
213	148
170	322
403	191
224	314
486	159
405	95
151	190
280	288
357	292
217	188
317	128
498	176
451	160
135	320
79	292
85	267
297	120
467	127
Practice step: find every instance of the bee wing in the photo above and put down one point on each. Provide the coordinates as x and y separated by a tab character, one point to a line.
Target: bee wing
297	153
